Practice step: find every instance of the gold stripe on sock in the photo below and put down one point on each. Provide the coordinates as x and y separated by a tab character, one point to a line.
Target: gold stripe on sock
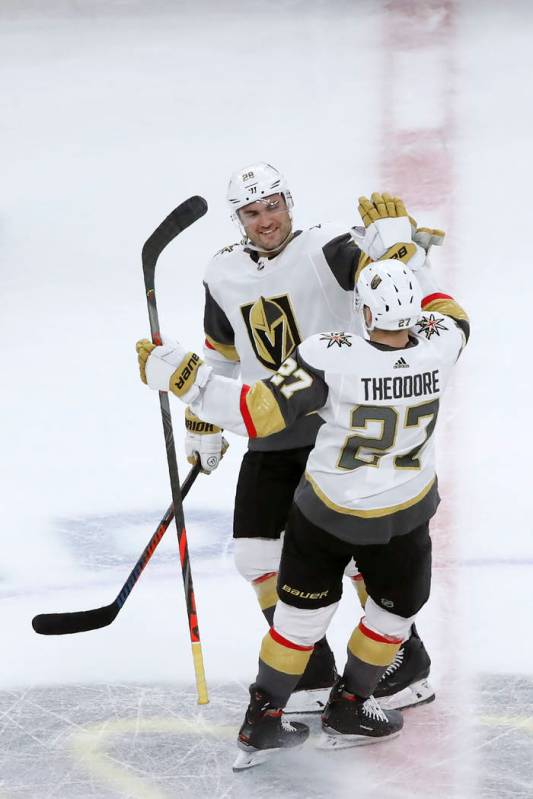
283	658
360	587
266	591
375	653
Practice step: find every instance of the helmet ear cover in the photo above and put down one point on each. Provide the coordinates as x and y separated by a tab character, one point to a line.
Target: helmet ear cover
391	292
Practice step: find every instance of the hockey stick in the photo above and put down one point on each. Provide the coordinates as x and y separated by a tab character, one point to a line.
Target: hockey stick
182	216
84	620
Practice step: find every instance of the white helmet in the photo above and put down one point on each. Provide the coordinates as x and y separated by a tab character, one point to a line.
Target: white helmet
392	293
255	182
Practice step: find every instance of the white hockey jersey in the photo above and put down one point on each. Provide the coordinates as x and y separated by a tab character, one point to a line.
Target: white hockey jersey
258	310
371	474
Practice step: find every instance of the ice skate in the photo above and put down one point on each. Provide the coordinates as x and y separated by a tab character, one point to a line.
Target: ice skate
405	682
265	731
349	721
313	690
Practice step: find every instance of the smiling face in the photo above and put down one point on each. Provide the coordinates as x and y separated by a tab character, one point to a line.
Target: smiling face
267	222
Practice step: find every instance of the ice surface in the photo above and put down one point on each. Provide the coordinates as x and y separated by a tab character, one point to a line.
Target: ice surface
114	112
150	741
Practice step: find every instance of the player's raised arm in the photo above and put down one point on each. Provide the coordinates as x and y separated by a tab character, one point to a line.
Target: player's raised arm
435	301
266	407
388	231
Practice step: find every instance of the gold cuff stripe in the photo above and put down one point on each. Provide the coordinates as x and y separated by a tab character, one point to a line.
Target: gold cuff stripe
403	251
227	350
447	307
264	410
182	380
368	514
282	658
266	591
196	425
376	653
434	231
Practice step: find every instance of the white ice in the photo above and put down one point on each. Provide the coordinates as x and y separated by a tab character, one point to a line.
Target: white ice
111	114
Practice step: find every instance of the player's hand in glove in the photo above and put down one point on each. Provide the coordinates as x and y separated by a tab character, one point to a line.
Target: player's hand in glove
428	237
205	441
169	367
388	230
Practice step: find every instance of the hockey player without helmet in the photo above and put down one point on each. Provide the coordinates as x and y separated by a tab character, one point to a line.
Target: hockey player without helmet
253	183
392	293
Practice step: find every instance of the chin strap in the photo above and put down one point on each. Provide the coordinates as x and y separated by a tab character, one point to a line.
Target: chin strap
249	245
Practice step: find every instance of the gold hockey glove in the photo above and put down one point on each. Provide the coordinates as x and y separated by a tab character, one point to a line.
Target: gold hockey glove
428	237
388	230
169	367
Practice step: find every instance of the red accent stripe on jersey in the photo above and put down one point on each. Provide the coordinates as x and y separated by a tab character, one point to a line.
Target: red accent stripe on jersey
383	639
289	644
263	577
209	345
433	297
245	413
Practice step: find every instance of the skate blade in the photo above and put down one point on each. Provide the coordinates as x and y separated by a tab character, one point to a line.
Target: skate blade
249	757
418	693
313	701
332	740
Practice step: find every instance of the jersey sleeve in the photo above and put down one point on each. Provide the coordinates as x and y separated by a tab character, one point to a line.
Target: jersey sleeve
219	363
345	259
445	334
440	303
273	404
266	407
219	334
435	301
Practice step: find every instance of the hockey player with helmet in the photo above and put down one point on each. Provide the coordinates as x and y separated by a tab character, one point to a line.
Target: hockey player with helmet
265	295
368	492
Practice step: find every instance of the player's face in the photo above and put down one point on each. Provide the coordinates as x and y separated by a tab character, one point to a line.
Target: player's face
267	222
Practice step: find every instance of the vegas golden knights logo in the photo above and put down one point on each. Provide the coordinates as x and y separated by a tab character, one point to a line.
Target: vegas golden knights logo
272	329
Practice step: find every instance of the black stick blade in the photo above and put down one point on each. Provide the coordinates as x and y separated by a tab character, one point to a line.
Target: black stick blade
180	218
79	622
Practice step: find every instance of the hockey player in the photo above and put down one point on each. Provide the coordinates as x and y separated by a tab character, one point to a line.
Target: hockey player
263	297
368	492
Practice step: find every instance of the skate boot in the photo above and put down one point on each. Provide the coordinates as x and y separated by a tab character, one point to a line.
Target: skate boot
312	692
405	682
264	731
350	721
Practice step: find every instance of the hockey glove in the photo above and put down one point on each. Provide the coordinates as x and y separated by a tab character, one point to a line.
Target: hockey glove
428	237
205	441
388	230
169	367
